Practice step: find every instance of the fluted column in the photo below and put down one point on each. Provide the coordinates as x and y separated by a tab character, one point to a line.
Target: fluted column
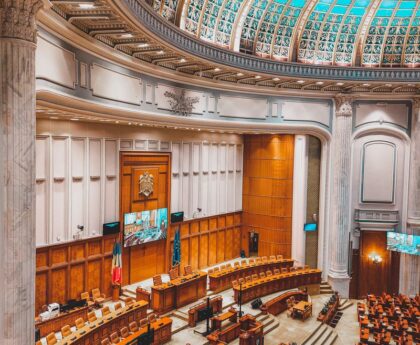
17	174
410	264
340	200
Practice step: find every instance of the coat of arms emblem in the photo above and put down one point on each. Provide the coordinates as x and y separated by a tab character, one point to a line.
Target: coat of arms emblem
146	181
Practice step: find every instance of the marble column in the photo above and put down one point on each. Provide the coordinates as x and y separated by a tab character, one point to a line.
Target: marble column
340	200
17	173
410	264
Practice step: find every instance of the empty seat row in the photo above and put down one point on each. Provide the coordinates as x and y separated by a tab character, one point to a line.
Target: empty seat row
243	263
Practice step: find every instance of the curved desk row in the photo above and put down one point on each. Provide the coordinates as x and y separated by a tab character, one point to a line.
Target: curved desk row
222	280
161	333
94	332
277	282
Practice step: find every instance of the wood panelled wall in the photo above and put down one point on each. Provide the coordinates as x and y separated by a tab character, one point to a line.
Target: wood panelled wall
381	277
208	241
268	192
64	271
144	261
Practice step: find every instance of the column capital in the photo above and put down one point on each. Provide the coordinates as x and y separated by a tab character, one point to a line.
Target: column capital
17	19
343	105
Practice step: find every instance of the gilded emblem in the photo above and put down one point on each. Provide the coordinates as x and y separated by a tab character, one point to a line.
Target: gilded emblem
146	181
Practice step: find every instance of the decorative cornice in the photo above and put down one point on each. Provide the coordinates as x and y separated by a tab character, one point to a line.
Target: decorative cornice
172	35
343	105
17	19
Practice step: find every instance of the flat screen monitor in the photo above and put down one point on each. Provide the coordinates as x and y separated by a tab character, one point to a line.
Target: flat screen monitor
403	243
146	226
310	227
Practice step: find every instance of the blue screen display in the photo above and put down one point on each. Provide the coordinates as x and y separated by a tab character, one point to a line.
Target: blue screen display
403	243
310	227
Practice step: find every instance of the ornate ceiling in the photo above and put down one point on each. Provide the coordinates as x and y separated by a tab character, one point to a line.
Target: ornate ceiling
330	32
286	45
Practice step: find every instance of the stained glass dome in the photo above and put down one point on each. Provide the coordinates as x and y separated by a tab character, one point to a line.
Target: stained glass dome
378	33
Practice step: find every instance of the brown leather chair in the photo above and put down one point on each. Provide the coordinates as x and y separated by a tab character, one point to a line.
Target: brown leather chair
217	269
292	269
105	311
243	263
105	342
51	339
255	277
92	317
98	297
229	266
210	271
115	338
262	275
236	264
222	267
143	322
264	259
269	273
188	270
251	262
248	279
234	283
276	271
133	327
152	318
157	280
65	331
272	258
284	270
279	257
80	323
258	260
173	273
129	302
307	267
85	295
124	332
241	281
117	306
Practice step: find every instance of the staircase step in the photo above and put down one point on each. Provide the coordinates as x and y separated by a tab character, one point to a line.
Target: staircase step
273	326
324	337
308	338
315	335
332	339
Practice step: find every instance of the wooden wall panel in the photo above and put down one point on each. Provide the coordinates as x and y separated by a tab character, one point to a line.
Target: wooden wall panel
208	241
268	192
144	261
380	277
64	271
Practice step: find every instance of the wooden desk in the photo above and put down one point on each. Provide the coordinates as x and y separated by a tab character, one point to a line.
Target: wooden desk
179	292
277	282
278	304
162	332
56	323
302	310
216	321
93	333
216	303
222	280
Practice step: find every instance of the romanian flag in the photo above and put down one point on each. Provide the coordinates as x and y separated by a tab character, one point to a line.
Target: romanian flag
176	254
116	270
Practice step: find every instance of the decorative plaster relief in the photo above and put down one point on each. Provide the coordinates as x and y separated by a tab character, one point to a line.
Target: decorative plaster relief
162	101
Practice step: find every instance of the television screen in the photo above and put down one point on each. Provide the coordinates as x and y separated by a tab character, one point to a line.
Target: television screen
403	243
310	227
146	226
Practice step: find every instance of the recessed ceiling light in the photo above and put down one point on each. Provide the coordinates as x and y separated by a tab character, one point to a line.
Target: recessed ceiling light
129	123
388	85
319	83
86	6
160	52
276	79
143	45
239	74
74	119
257	77
53	117
366	84
199	129
117	121
340	84
126	35
182	60
217	69
300	82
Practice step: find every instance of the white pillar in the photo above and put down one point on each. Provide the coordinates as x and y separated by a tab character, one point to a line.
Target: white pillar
340	201
17	172
300	174
410	264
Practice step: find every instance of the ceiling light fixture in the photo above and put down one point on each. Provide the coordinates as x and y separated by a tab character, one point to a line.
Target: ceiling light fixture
217	69
182	60
366	84
86	6
319	83
160	52
300	82
276	79
257	77
143	45
239	74
340	84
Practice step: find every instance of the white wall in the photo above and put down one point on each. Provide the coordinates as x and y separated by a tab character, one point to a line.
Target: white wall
77	173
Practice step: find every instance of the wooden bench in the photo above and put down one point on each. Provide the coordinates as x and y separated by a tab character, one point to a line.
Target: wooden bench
278	304
216	303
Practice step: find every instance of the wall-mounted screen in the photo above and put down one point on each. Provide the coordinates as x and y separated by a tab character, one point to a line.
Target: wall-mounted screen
146	226
310	227
403	243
